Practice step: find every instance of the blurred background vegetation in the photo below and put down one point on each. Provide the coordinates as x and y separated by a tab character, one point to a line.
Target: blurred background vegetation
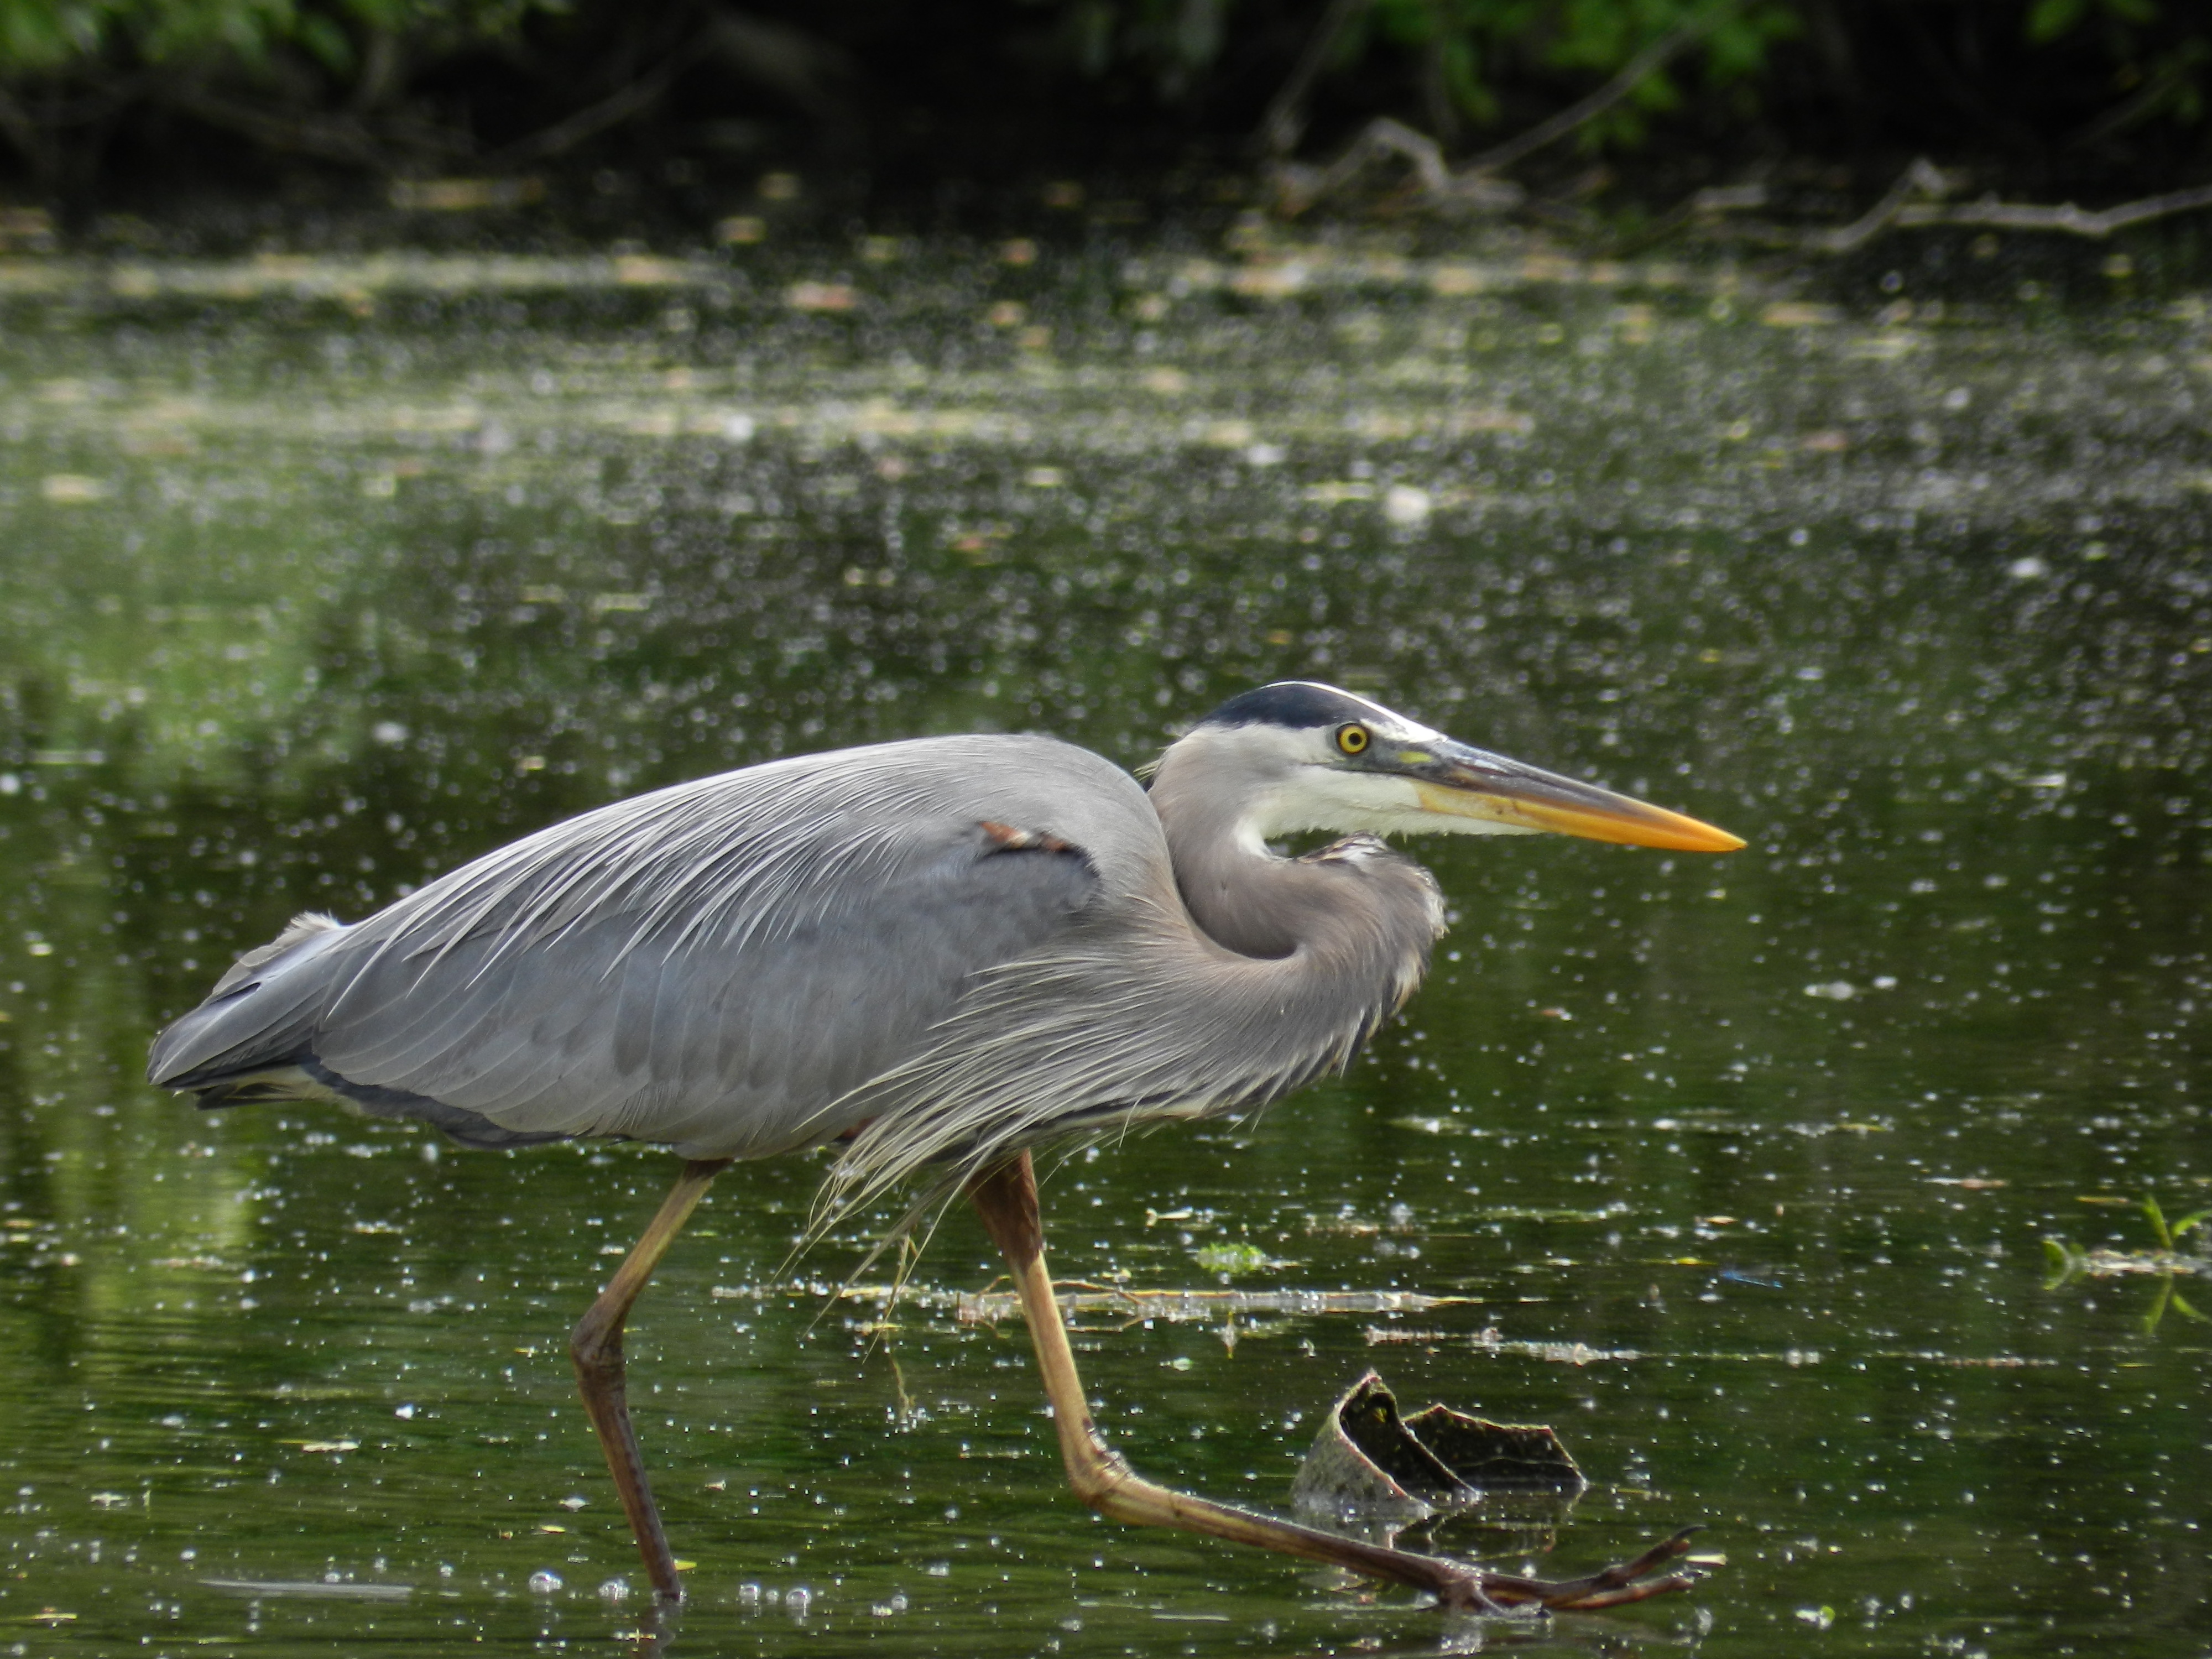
100	99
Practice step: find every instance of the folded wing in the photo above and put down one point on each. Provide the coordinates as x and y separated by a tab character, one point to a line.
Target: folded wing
716	965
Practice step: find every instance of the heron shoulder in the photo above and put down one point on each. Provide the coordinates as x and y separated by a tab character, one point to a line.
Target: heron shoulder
1039	785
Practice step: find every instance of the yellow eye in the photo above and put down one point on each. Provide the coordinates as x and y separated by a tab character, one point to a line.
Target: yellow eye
1352	739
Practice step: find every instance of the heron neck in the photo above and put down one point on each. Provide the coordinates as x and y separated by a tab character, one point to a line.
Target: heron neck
1355	897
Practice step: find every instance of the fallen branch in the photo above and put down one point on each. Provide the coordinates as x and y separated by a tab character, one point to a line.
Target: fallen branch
2029	216
1384	137
1924	180
1298	187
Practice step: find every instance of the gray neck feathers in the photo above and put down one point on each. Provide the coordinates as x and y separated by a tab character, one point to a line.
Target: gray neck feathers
1353	911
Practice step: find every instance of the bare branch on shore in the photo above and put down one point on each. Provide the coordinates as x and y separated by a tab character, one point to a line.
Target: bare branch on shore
1298	187
1923	178
1474	188
2065	216
1930	184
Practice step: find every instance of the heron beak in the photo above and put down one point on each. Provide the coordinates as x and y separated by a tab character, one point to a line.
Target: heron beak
1456	781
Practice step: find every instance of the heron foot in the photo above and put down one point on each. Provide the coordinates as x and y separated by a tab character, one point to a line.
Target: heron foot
1104	1481
1005	1198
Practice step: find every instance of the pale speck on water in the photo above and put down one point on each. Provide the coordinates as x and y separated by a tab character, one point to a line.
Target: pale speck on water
1739	1172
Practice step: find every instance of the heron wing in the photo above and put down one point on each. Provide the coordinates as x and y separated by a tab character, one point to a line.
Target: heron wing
714	965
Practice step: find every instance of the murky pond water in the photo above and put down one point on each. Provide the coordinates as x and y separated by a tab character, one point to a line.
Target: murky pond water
321	577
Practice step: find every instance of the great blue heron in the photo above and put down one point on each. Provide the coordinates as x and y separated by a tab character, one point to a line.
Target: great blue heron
937	954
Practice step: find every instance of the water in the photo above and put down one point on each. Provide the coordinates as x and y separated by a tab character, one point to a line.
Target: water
323	576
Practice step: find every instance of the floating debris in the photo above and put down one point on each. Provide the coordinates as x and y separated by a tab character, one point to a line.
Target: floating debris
1181	1307
312	1588
2103	1263
1237	1259
1369	1460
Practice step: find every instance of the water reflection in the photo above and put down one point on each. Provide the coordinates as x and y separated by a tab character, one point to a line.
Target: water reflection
1736	1174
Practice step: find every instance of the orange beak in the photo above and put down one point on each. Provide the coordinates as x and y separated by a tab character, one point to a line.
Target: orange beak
1468	783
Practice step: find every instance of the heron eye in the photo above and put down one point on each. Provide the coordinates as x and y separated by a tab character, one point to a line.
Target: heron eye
1352	739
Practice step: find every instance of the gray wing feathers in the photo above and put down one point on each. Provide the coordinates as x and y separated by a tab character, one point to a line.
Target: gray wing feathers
260	1010
714	965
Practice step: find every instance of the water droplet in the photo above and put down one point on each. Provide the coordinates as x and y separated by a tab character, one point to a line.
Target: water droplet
1406	506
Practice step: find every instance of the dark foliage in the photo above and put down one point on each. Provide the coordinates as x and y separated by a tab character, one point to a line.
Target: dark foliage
895	101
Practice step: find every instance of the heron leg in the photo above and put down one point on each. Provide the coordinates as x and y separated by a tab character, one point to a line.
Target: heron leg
1005	1199
596	1346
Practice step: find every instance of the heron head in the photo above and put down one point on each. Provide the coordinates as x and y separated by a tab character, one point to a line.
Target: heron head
1303	756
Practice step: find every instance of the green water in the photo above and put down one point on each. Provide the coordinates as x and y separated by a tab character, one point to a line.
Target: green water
321	577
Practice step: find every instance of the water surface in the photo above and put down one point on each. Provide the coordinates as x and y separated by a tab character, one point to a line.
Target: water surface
323	576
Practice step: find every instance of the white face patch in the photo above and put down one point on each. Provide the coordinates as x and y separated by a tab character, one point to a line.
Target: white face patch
1309	786
1320	795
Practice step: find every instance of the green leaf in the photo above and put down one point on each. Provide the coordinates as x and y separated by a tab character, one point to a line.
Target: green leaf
1409	22
2060	1259
2158	1222
2049	19
2159	1306
1231	1259
327	43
